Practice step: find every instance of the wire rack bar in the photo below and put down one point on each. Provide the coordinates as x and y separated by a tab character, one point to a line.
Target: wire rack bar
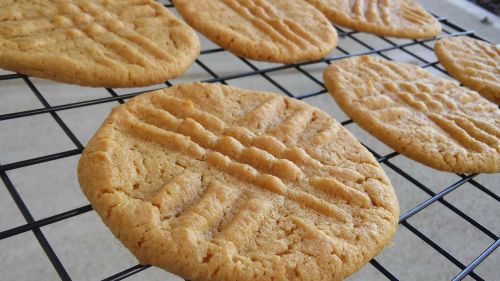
10	76
54	260
46	221
35	225
439	249
42	159
483	189
477	261
436	197
127	272
383	270
209	71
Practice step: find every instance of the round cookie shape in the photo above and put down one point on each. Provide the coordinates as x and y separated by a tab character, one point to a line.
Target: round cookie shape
397	18
267	30
114	43
432	120
213	182
473	62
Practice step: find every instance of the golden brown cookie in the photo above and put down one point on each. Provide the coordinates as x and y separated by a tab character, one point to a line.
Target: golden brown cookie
429	119
269	30
473	62
213	182
398	18
114	43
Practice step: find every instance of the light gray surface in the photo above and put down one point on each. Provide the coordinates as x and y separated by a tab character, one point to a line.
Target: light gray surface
89	251
467	15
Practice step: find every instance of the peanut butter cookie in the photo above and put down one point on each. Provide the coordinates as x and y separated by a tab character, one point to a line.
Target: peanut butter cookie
213	182
114	43
269	30
427	118
398	18
473	62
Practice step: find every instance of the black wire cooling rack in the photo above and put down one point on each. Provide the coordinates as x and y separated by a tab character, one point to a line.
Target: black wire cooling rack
449	29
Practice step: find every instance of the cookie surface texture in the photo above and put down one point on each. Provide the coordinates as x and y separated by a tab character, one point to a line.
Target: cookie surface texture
115	43
397	18
213	182
269	30
429	119
473	62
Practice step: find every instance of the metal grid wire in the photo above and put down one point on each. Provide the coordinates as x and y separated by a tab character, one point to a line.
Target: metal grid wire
35	225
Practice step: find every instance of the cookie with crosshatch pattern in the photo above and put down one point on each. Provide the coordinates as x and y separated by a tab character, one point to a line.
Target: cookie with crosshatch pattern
213	182
427	118
269	30
397	18
473	62
113	43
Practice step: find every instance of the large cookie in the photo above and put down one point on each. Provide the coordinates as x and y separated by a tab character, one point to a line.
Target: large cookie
269	30
213	182
398	18
427	118
113	43
473	62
